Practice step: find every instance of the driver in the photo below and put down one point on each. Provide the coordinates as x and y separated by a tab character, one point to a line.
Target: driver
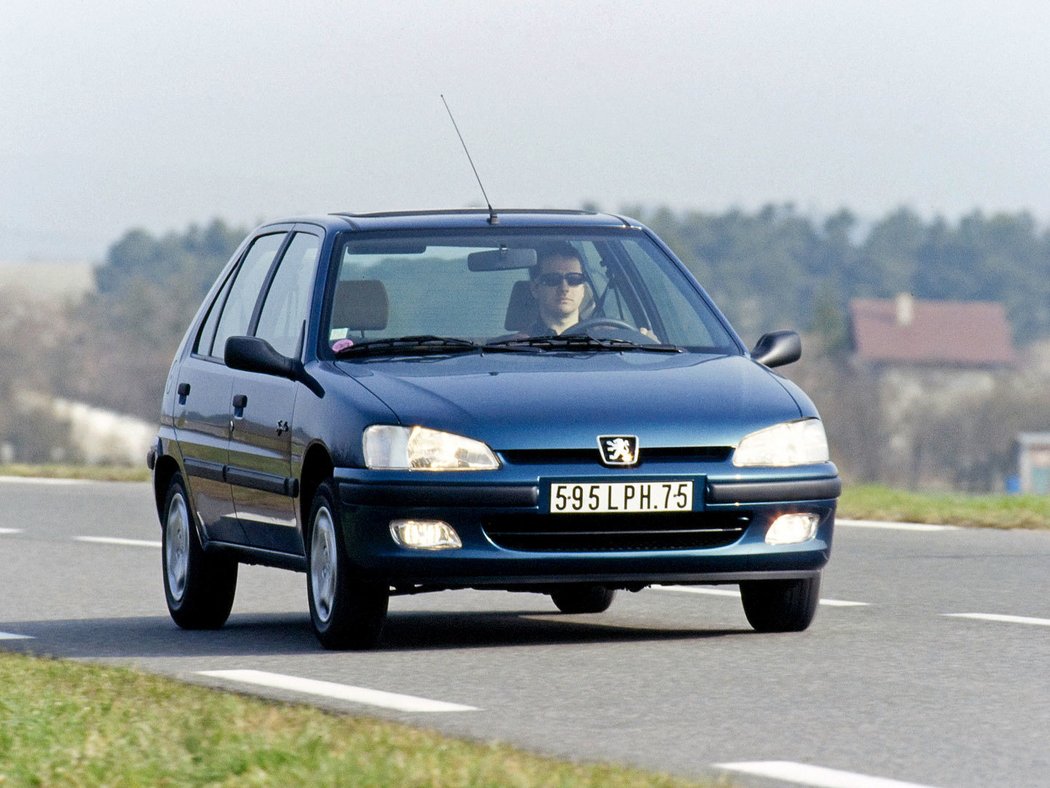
559	287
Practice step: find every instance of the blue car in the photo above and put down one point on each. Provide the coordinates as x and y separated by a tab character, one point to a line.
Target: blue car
537	401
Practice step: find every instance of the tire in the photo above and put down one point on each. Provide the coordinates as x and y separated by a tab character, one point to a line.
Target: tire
199	587
345	614
781	605
583	599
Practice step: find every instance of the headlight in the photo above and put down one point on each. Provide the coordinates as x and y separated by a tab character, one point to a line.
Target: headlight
791	443
387	447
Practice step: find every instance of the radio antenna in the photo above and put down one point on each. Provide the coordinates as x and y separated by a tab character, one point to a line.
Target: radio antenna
493	219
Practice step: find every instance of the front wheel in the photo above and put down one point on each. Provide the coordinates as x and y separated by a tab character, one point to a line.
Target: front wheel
344	613
781	605
583	599
199	587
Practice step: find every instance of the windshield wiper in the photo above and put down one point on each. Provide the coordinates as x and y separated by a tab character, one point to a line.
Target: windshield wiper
422	344
579	342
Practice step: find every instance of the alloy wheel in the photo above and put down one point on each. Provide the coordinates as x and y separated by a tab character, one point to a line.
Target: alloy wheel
323	566
177	546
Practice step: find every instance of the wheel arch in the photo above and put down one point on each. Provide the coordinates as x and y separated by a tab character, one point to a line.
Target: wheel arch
163	472
317	467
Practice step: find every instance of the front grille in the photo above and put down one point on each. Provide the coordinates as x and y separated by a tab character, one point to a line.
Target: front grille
615	532
694	454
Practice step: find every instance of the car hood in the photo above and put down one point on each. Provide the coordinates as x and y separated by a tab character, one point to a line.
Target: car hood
555	400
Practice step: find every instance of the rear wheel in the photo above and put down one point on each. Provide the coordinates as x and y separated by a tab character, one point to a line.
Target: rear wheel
199	587
344	613
781	605
583	599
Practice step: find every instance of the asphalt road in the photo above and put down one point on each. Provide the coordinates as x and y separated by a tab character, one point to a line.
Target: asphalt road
927	663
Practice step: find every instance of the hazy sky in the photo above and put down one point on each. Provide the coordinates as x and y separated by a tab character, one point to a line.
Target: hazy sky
118	114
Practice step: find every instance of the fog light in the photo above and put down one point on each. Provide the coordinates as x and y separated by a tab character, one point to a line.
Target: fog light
792	529
425	534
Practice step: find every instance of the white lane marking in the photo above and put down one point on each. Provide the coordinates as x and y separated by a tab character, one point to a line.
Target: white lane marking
328	689
725	592
39	480
927	527
803	774
116	541
10	530
13	636
1039	622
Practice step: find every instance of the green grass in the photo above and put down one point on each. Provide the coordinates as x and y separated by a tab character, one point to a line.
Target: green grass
68	723
104	473
871	502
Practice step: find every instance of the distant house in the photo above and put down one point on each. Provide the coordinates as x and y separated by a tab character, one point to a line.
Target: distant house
926	359
947	334
936	350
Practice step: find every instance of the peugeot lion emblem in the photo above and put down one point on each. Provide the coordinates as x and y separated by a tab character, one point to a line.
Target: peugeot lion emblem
619	450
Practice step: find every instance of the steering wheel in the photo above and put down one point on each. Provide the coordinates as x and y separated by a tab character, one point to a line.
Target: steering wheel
595	322
634	335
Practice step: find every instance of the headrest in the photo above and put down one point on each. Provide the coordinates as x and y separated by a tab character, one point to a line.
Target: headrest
360	305
522	311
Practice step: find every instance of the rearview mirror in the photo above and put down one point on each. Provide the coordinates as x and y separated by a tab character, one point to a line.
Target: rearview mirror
502	259
778	348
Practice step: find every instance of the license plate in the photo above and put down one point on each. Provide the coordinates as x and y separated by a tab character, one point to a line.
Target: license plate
625	497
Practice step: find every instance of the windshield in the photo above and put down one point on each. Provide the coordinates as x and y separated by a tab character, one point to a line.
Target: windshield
505	289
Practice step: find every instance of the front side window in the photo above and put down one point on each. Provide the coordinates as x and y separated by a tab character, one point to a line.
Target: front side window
288	298
236	316
487	286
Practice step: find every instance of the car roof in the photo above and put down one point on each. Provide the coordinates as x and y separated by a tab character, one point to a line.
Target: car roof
462	219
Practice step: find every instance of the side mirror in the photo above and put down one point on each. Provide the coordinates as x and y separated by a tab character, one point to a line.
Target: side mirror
252	354
778	348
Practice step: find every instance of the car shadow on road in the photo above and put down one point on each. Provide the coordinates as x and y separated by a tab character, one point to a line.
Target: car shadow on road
428	631
276	634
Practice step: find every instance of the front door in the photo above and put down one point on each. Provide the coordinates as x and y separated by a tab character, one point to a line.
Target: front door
264	492
204	391
262	407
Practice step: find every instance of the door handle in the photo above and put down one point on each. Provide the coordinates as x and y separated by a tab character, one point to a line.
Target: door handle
240	400
183	390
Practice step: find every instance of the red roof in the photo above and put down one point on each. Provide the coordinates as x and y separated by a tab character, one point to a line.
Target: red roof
951	333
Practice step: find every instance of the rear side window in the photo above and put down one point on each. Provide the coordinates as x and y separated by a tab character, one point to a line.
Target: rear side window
288	299
236	315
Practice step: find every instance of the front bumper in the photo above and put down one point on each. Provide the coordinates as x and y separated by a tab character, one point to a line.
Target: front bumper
510	540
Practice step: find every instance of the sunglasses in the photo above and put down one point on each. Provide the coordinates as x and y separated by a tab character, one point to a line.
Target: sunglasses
553	280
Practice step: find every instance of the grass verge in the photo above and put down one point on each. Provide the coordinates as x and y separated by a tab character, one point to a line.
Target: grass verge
68	723
872	502
100	473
